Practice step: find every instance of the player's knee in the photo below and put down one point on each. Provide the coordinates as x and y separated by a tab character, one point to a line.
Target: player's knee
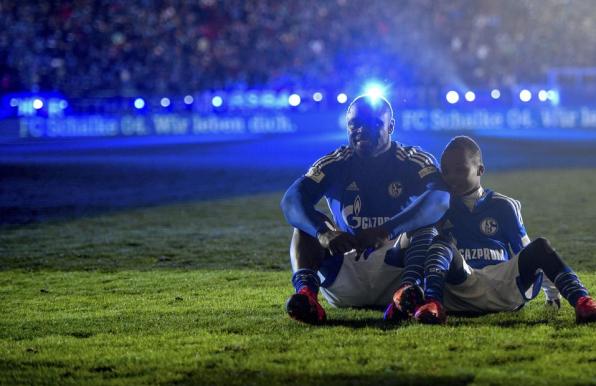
540	247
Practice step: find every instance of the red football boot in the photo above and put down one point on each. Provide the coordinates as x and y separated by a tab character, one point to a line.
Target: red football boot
304	307
431	312
585	310
405	301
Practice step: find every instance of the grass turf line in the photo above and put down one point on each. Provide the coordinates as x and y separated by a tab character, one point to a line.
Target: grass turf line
194	294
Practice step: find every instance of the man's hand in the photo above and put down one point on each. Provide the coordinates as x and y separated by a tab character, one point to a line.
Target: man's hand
553	304
337	242
372	238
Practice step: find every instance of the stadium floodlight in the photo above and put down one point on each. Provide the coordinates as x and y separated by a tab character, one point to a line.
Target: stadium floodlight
217	101
342	98
189	99
139	103
470	96
317	97
37	103
294	100
374	91
525	95
542	95
452	97
495	94
164	102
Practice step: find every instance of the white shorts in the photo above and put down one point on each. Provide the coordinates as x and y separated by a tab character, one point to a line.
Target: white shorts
369	282
493	288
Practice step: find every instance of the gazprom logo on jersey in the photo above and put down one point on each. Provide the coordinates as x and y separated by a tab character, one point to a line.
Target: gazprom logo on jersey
482	253
351	215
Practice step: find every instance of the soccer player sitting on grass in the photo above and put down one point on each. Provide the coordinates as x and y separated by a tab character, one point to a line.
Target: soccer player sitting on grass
376	190
483	252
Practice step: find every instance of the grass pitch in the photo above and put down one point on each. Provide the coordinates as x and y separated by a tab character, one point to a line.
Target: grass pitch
194	294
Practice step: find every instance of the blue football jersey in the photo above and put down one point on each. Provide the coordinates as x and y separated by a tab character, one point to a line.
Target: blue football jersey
490	233
365	193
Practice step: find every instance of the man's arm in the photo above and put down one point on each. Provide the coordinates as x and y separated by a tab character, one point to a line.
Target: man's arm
298	207
426	210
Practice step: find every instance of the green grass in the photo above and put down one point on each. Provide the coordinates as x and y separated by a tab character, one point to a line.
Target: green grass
194	294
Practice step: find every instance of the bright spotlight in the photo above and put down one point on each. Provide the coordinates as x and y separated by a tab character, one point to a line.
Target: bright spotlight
470	96
495	94
452	97
188	99
217	101
164	102
342	98
37	103
542	95
374	91
525	95
317	97
294	100
139	103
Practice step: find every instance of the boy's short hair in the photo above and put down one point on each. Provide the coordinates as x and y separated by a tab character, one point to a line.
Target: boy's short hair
466	143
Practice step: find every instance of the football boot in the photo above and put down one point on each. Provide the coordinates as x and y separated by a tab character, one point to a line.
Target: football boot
585	310
304	307
431	312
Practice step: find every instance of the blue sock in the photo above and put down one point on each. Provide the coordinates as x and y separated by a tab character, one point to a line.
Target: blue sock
569	285
436	267
305	277
416	255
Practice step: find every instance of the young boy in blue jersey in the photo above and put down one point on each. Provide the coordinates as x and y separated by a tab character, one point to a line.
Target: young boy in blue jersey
483	252
376	190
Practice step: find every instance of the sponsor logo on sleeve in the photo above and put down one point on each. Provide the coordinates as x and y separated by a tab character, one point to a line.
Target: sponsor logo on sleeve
426	171
315	174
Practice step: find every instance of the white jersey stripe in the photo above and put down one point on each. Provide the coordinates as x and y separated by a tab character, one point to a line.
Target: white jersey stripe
516	205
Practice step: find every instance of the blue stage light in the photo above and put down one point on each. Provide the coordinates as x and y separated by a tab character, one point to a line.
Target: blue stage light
164	102
63	104
217	101
37	103
188	99
542	95
452	97
294	100
525	95
470	96
14	102
342	98
139	103
317	97
495	94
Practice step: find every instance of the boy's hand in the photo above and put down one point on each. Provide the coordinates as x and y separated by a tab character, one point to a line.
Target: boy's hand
554	304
